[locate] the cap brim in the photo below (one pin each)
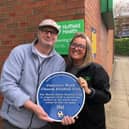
(41, 26)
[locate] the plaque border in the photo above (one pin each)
(66, 73)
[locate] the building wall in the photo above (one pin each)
(104, 36)
(19, 20)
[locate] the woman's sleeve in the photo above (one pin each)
(100, 86)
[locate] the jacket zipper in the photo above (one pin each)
(39, 70)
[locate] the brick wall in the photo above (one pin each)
(19, 19)
(104, 37)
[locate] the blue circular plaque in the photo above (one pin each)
(60, 94)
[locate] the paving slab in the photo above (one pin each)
(117, 110)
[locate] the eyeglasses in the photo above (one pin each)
(47, 30)
(77, 45)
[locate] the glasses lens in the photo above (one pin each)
(77, 45)
(48, 30)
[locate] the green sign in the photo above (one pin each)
(67, 31)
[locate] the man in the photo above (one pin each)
(22, 73)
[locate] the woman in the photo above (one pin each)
(95, 81)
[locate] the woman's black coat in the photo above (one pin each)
(92, 115)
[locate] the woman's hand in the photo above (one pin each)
(67, 120)
(84, 84)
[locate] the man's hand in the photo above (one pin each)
(41, 114)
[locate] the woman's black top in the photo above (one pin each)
(92, 115)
